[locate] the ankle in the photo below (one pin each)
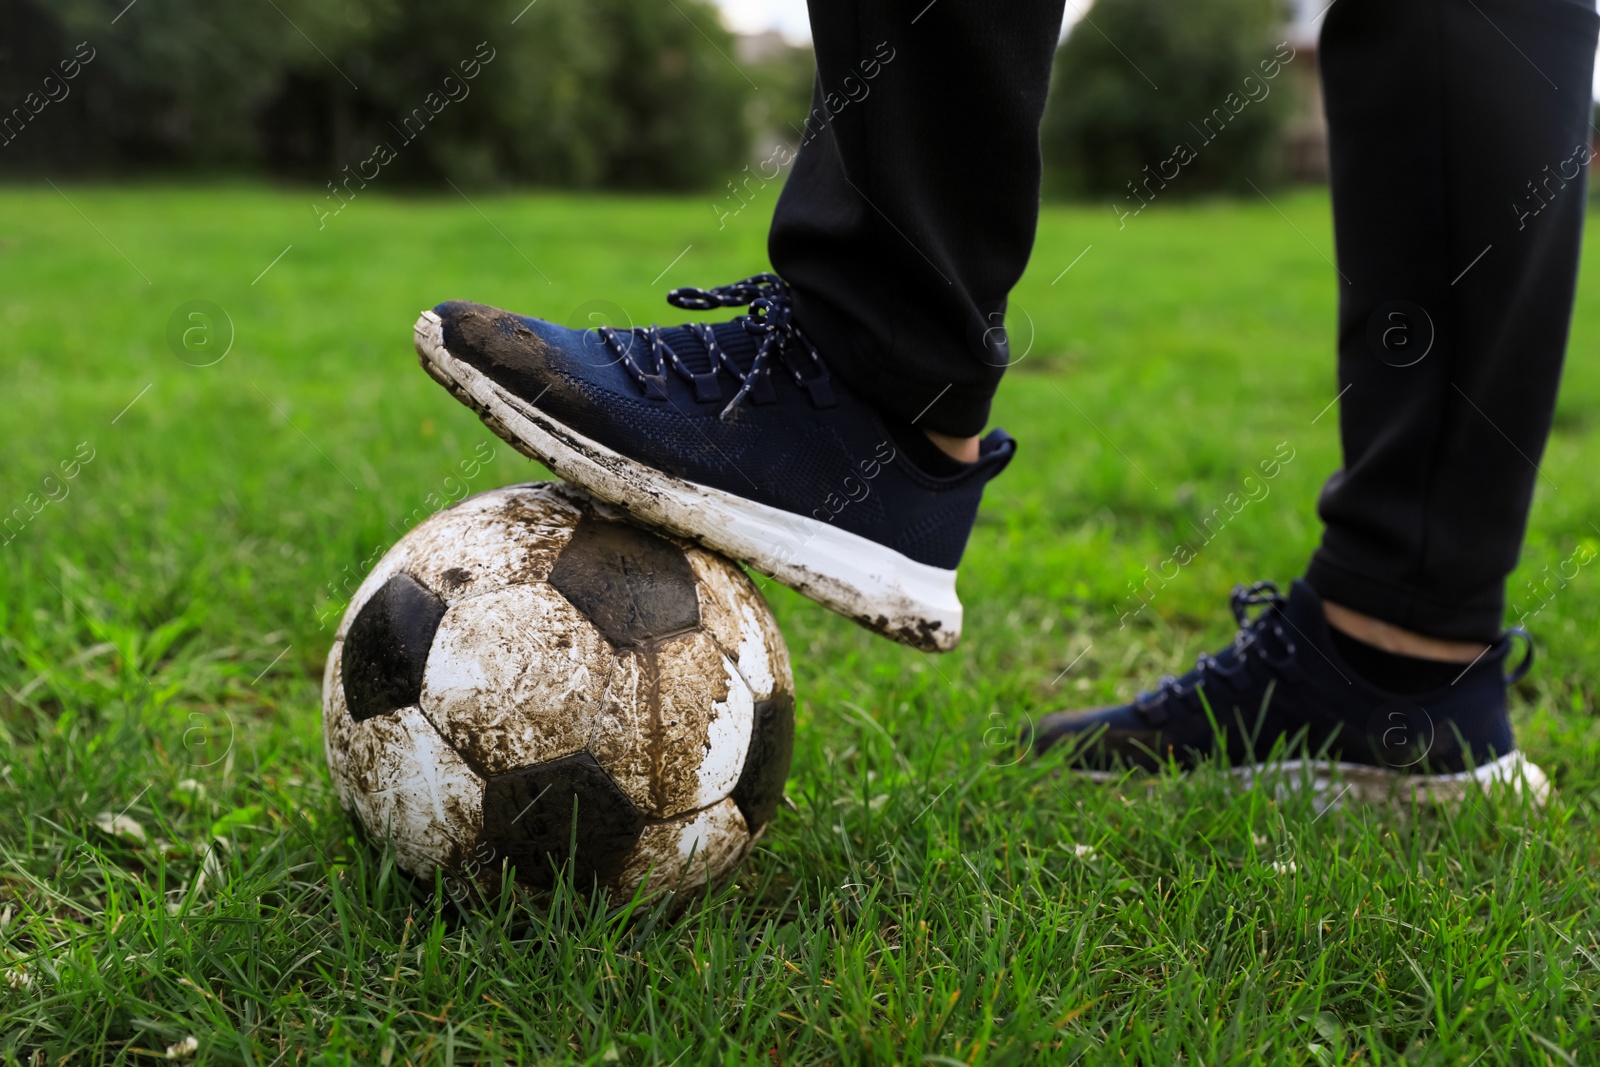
(962, 449)
(1397, 641)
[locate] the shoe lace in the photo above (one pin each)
(1260, 640)
(646, 356)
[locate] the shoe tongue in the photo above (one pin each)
(1304, 612)
(734, 340)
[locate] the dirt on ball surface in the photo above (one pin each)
(527, 683)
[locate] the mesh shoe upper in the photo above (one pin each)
(1282, 679)
(745, 406)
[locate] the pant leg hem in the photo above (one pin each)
(1404, 606)
(944, 407)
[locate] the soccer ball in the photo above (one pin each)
(527, 682)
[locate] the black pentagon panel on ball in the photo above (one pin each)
(634, 586)
(766, 766)
(528, 818)
(386, 649)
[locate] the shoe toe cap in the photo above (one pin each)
(1097, 737)
(1059, 726)
(492, 340)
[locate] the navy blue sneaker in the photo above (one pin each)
(1282, 693)
(733, 435)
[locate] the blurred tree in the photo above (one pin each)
(624, 93)
(168, 84)
(628, 93)
(777, 114)
(1107, 121)
(452, 88)
(680, 96)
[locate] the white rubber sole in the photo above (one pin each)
(1334, 783)
(879, 588)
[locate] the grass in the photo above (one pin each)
(925, 899)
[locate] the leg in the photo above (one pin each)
(1446, 117)
(911, 210)
(1458, 187)
(909, 216)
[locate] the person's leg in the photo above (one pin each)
(1459, 132)
(792, 438)
(911, 209)
(1459, 135)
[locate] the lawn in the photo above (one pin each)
(175, 864)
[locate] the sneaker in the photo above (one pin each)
(695, 429)
(1282, 689)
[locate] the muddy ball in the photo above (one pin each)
(528, 686)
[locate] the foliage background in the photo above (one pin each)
(625, 94)
(621, 93)
(1110, 117)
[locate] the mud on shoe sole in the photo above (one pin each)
(886, 592)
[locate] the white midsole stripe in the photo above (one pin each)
(1366, 784)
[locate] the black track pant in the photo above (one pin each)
(911, 209)
(1459, 133)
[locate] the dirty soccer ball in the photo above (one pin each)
(526, 682)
